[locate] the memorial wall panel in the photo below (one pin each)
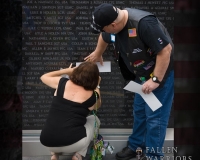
(57, 33)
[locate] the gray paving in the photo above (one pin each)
(67, 157)
(63, 157)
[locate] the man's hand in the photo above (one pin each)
(94, 58)
(149, 86)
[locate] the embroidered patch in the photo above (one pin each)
(138, 63)
(160, 41)
(149, 65)
(132, 32)
(149, 51)
(136, 50)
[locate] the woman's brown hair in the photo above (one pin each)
(86, 75)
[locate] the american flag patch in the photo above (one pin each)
(132, 32)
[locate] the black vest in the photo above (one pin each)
(130, 65)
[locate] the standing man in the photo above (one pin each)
(145, 55)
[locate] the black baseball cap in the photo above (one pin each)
(103, 15)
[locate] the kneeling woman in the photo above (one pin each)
(68, 127)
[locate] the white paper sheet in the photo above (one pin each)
(105, 68)
(150, 98)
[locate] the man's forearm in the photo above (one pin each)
(101, 46)
(162, 62)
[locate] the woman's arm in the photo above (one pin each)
(98, 91)
(98, 103)
(51, 79)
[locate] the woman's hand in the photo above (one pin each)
(70, 69)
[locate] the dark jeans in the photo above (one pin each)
(149, 127)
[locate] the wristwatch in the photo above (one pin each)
(155, 79)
